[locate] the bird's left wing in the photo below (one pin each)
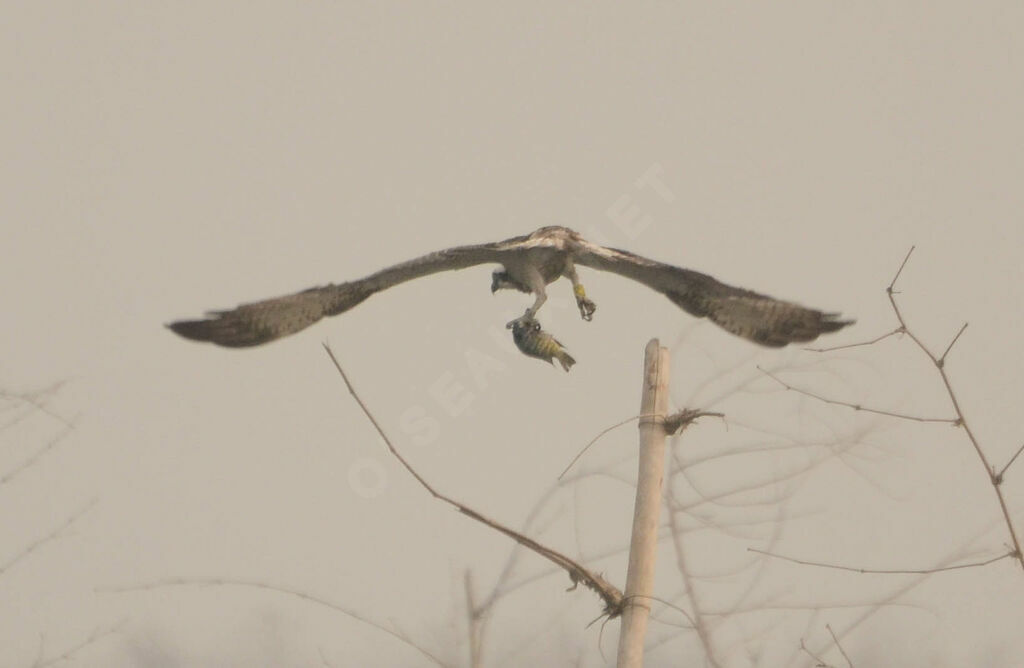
(759, 318)
(259, 322)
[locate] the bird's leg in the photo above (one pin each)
(528, 318)
(540, 296)
(585, 306)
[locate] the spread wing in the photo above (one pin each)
(759, 318)
(263, 321)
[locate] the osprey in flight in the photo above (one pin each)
(528, 264)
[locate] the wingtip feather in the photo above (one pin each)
(219, 331)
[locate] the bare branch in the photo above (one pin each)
(856, 407)
(892, 283)
(909, 585)
(942, 358)
(256, 584)
(839, 646)
(961, 421)
(610, 594)
(34, 399)
(697, 619)
(670, 604)
(39, 542)
(70, 653)
(999, 476)
(37, 455)
(882, 337)
(818, 661)
(885, 571)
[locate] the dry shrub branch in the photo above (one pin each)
(959, 420)
(609, 593)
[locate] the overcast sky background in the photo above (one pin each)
(164, 159)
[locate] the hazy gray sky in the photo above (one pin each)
(161, 159)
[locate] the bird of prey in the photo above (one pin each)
(528, 264)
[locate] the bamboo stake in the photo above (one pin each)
(644, 543)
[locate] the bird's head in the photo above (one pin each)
(502, 280)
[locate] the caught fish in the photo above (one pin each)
(535, 342)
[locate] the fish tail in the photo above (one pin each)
(552, 347)
(548, 346)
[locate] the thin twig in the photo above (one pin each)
(883, 571)
(999, 476)
(961, 421)
(892, 283)
(32, 399)
(53, 535)
(500, 587)
(838, 645)
(818, 661)
(37, 455)
(909, 585)
(672, 424)
(882, 337)
(610, 594)
(256, 584)
(597, 438)
(856, 407)
(942, 358)
(697, 619)
(68, 654)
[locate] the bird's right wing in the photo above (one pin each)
(259, 322)
(759, 318)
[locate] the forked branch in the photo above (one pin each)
(960, 420)
(940, 366)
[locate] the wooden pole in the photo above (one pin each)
(644, 543)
